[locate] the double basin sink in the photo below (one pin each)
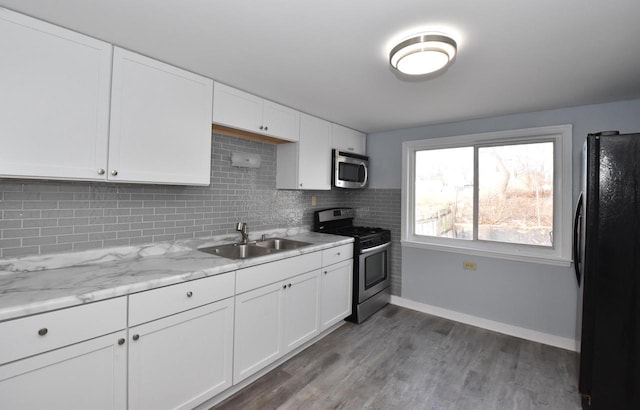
(254, 249)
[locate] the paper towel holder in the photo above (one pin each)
(245, 160)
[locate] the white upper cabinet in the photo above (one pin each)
(54, 100)
(280, 121)
(237, 109)
(348, 140)
(307, 164)
(160, 122)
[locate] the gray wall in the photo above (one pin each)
(534, 296)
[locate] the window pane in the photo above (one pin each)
(516, 193)
(444, 193)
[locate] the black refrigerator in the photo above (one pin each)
(607, 262)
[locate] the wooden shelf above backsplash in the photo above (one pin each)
(232, 132)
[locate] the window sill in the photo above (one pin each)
(545, 260)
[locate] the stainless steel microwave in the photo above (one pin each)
(349, 170)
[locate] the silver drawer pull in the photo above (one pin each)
(189, 294)
(121, 341)
(43, 331)
(338, 254)
(136, 337)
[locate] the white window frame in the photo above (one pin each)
(558, 254)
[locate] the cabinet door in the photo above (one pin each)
(315, 153)
(280, 121)
(336, 293)
(258, 330)
(346, 139)
(236, 109)
(160, 123)
(86, 375)
(54, 103)
(182, 360)
(301, 308)
(307, 164)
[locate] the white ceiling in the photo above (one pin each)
(329, 58)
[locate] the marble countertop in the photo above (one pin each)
(41, 283)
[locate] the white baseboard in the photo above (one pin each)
(521, 332)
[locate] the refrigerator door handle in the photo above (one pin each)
(577, 239)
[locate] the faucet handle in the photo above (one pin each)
(241, 226)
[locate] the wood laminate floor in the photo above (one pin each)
(403, 359)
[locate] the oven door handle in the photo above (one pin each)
(375, 248)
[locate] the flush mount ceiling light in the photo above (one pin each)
(423, 54)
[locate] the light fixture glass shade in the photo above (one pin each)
(423, 54)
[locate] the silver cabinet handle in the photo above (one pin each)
(100, 171)
(284, 286)
(43, 331)
(266, 128)
(189, 294)
(136, 337)
(289, 285)
(121, 341)
(325, 272)
(338, 254)
(262, 127)
(114, 172)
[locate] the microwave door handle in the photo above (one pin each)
(366, 175)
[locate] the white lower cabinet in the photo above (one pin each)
(273, 320)
(72, 358)
(336, 293)
(300, 310)
(87, 375)
(258, 330)
(182, 360)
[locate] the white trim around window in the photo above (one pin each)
(559, 254)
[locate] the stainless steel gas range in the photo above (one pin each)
(371, 269)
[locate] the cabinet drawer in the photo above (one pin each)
(337, 254)
(47, 331)
(161, 302)
(261, 275)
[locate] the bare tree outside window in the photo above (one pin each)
(515, 193)
(515, 190)
(444, 193)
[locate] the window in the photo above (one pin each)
(504, 194)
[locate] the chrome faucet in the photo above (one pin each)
(244, 231)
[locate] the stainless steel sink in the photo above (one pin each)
(281, 244)
(253, 249)
(238, 251)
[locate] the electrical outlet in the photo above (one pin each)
(469, 265)
(314, 201)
